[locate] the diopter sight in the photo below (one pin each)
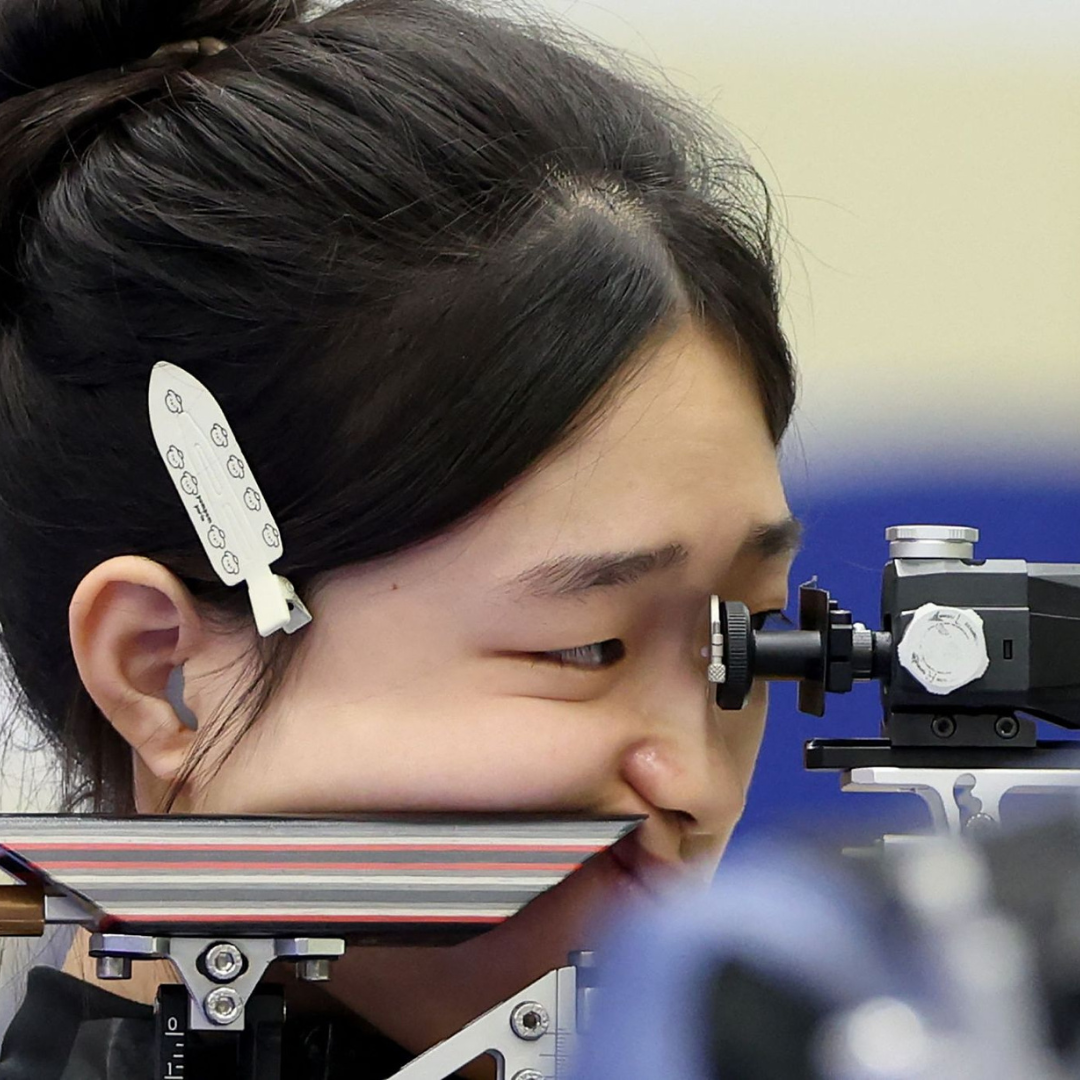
(964, 646)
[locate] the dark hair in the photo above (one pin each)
(408, 247)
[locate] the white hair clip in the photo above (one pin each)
(222, 499)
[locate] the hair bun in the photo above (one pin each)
(43, 42)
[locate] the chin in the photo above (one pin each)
(572, 916)
(419, 995)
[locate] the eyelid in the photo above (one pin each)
(610, 651)
(607, 653)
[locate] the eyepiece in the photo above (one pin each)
(737, 636)
(827, 653)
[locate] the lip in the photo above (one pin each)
(648, 871)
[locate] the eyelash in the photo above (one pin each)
(603, 654)
(592, 657)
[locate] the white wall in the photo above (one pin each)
(29, 778)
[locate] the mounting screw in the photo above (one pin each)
(114, 967)
(944, 727)
(980, 825)
(1007, 727)
(317, 970)
(223, 1005)
(529, 1020)
(223, 962)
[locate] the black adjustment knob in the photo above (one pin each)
(738, 634)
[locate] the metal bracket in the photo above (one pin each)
(960, 800)
(531, 1036)
(217, 1003)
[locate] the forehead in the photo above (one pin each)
(681, 453)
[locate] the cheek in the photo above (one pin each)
(452, 755)
(741, 732)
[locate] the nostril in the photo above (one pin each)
(670, 776)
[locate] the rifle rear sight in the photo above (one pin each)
(965, 646)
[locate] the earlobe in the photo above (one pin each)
(132, 623)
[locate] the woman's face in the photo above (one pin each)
(547, 655)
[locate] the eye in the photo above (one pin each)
(599, 654)
(761, 619)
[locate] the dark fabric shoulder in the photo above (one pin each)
(60, 1017)
(68, 1029)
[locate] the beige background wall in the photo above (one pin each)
(927, 160)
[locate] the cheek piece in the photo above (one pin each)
(225, 504)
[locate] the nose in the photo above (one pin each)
(687, 759)
(689, 778)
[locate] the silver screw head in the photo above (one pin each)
(529, 1020)
(223, 1005)
(223, 961)
(980, 825)
(114, 967)
(317, 970)
(527, 1074)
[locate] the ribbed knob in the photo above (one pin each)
(931, 541)
(738, 655)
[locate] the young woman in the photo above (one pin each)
(496, 328)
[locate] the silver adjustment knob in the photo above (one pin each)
(931, 541)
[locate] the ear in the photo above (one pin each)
(132, 622)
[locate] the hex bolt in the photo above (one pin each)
(527, 1074)
(223, 1005)
(223, 962)
(529, 1020)
(317, 970)
(944, 727)
(114, 967)
(1007, 727)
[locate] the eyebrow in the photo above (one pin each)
(774, 538)
(572, 575)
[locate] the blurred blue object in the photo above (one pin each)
(783, 911)
(939, 958)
